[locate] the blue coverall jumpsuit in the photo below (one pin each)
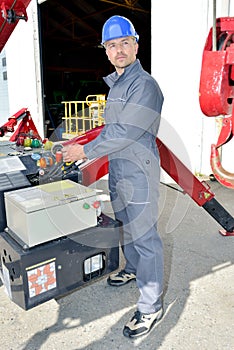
(132, 118)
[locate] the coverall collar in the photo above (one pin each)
(133, 68)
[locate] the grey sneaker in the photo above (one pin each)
(141, 324)
(120, 278)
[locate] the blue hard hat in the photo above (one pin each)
(118, 27)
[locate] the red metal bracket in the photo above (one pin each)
(217, 90)
(11, 12)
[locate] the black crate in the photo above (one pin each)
(52, 269)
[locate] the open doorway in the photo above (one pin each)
(73, 61)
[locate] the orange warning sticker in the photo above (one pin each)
(41, 278)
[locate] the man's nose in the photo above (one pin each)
(119, 47)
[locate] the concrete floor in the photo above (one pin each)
(198, 293)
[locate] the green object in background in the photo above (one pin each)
(35, 143)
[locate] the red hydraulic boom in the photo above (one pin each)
(199, 191)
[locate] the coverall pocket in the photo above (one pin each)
(143, 162)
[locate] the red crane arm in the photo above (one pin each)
(199, 191)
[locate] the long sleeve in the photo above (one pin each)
(129, 119)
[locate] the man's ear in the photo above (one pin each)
(136, 48)
(107, 54)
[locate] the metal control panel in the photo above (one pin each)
(21, 169)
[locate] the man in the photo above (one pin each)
(132, 118)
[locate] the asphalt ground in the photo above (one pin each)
(198, 292)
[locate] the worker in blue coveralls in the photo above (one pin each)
(132, 118)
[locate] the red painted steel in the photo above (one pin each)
(9, 20)
(97, 168)
(26, 125)
(199, 191)
(223, 176)
(217, 90)
(216, 87)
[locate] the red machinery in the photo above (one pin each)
(20, 262)
(216, 97)
(199, 191)
(12, 11)
(217, 90)
(92, 171)
(25, 127)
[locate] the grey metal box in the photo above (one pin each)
(42, 213)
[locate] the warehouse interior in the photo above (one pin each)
(73, 60)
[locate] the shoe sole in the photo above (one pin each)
(119, 284)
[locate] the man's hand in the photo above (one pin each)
(72, 153)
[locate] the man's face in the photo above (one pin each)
(121, 52)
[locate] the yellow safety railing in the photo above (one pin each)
(81, 116)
